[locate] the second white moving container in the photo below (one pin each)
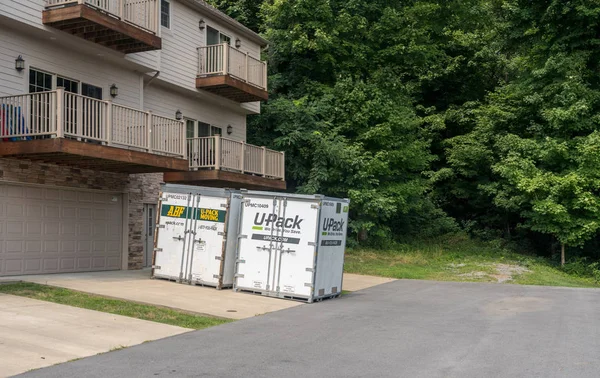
(196, 235)
(291, 246)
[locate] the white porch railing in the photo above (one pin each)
(218, 153)
(145, 14)
(224, 59)
(62, 114)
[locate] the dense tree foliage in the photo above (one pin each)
(430, 115)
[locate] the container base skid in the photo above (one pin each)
(288, 296)
(209, 284)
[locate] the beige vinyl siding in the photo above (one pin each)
(179, 54)
(26, 11)
(50, 57)
(164, 101)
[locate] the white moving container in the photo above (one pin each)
(192, 242)
(291, 246)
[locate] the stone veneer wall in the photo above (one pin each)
(142, 188)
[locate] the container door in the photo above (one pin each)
(332, 244)
(172, 235)
(256, 247)
(208, 242)
(295, 248)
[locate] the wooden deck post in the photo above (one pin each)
(217, 152)
(264, 161)
(242, 157)
(108, 122)
(60, 99)
(149, 131)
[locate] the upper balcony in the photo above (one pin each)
(223, 162)
(69, 129)
(231, 73)
(128, 26)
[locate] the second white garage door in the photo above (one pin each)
(51, 230)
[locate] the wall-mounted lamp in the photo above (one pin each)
(19, 63)
(229, 129)
(178, 115)
(201, 24)
(114, 91)
(238, 43)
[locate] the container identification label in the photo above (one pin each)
(211, 215)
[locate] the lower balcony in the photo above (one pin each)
(64, 128)
(226, 163)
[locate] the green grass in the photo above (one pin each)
(112, 306)
(458, 258)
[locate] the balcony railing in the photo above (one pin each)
(226, 154)
(143, 14)
(61, 114)
(224, 59)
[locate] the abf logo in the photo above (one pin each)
(175, 211)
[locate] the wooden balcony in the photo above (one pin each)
(221, 162)
(231, 73)
(69, 129)
(128, 26)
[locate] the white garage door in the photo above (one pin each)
(50, 230)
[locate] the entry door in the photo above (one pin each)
(277, 246)
(149, 227)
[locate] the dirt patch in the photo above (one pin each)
(474, 275)
(500, 272)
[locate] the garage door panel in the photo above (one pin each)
(33, 246)
(15, 209)
(84, 247)
(33, 266)
(68, 246)
(58, 230)
(52, 194)
(69, 212)
(13, 266)
(85, 197)
(33, 228)
(85, 213)
(14, 191)
(51, 229)
(51, 247)
(113, 262)
(84, 263)
(14, 246)
(34, 193)
(67, 263)
(84, 229)
(14, 228)
(98, 262)
(51, 265)
(51, 211)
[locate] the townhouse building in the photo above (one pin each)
(103, 100)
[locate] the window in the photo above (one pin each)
(198, 129)
(215, 37)
(70, 86)
(165, 14)
(91, 91)
(39, 81)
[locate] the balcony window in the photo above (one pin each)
(165, 14)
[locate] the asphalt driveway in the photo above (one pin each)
(399, 329)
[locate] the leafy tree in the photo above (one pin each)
(531, 148)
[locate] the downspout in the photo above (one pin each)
(151, 79)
